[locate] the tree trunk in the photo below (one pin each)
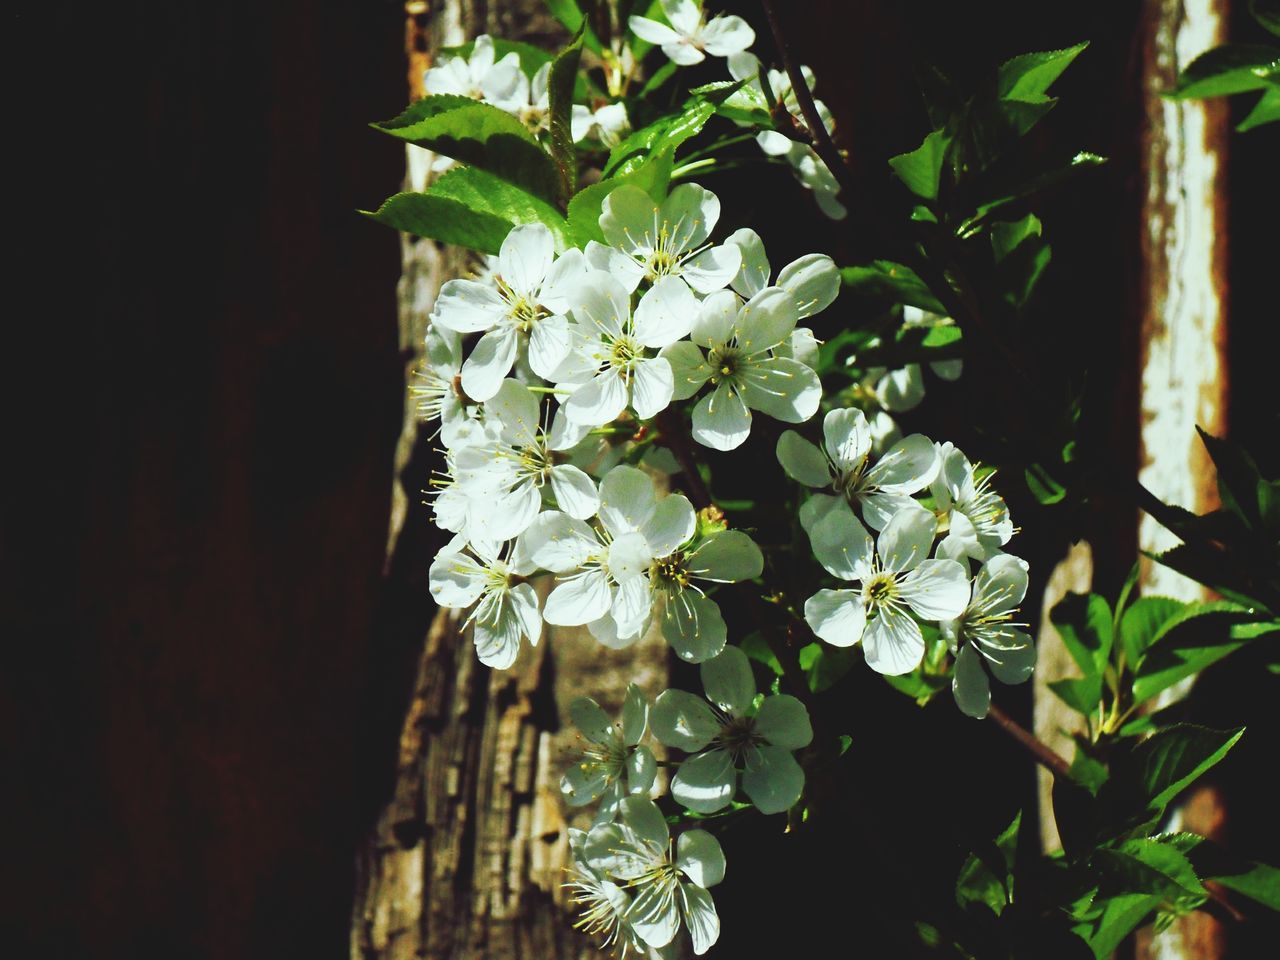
(468, 858)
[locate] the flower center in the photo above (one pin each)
(623, 353)
(881, 590)
(671, 571)
(725, 362)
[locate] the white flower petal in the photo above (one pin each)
(836, 616)
(654, 915)
(575, 492)
(726, 556)
(455, 580)
(693, 627)
(1001, 583)
(652, 31)
(631, 604)
(642, 771)
(578, 601)
(721, 420)
(813, 281)
(753, 274)
(802, 460)
(969, 684)
(627, 499)
(601, 302)
(592, 722)
(784, 722)
(699, 856)
(936, 590)
(688, 216)
(727, 34)
(1014, 660)
(498, 643)
(716, 319)
(652, 385)
(628, 218)
(785, 389)
(902, 389)
(672, 523)
(909, 466)
(907, 539)
(466, 306)
(728, 681)
(583, 782)
(679, 719)
(524, 604)
(773, 780)
(841, 543)
(525, 257)
(558, 542)
(700, 917)
(549, 345)
(635, 715)
(893, 643)
(599, 401)
(689, 369)
(713, 268)
(766, 320)
(490, 361)
(846, 437)
(705, 783)
(665, 313)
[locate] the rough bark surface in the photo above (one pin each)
(468, 859)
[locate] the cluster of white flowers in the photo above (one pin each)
(934, 516)
(503, 83)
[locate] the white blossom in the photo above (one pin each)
(689, 38)
(608, 366)
(691, 621)
(973, 516)
(895, 578)
(608, 123)
(501, 83)
(984, 638)
(614, 764)
(602, 904)
(740, 364)
(602, 582)
(669, 881)
(525, 303)
(731, 736)
(519, 464)
(844, 464)
(483, 574)
(437, 384)
(648, 241)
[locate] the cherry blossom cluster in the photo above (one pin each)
(934, 517)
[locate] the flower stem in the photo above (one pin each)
(1040, 750)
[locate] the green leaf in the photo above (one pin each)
(569, 13)
(1120, 916)
(440, 218)
(1257, 881)
(1007, 237)
(1188, 642)
(1082, 695)
(1087, 772)
(886, 280)
(1232, 68)
(1085, 624)
(757, 648)
(564, 71)
(667, 133)
(1148, 866)
(987, 874)
(481, 135)
(1029, 76)
(1142, 623)
(1266, 110)
(1144, 780)
(825, 666)
(652, 177)
(921, 169)
(1009, 200)
(1042, 485)
(1238, 478)
(1267, 13)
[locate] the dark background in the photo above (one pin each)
(199, 700)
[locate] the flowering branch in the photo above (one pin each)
(1043, 755)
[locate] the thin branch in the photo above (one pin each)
(671, 426)
(1044, 756)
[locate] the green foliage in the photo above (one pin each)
(471, 208)
(560, 83)
(921, 169)
(652, 175)
(891, 282)
(668, 132)
(986, 877)
(569, 13)
(1239, 68)
(481, 135)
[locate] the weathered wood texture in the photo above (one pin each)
(467, 860)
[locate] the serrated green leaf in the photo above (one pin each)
(1029, 76)
(1231, 68)
(584, 209)
(1144, 780)
(667, 133)
(1238, 478)
(1087, 772)
(1142, 622)
(1148, 866)
(1266, 110)
(560, 83)
(893, 282)
(1085, 624)
(1257, 881)
(440, 218)
(1187, 643)
(1120, 916)
(921, 169)
(481, 135)
(1081, 694)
